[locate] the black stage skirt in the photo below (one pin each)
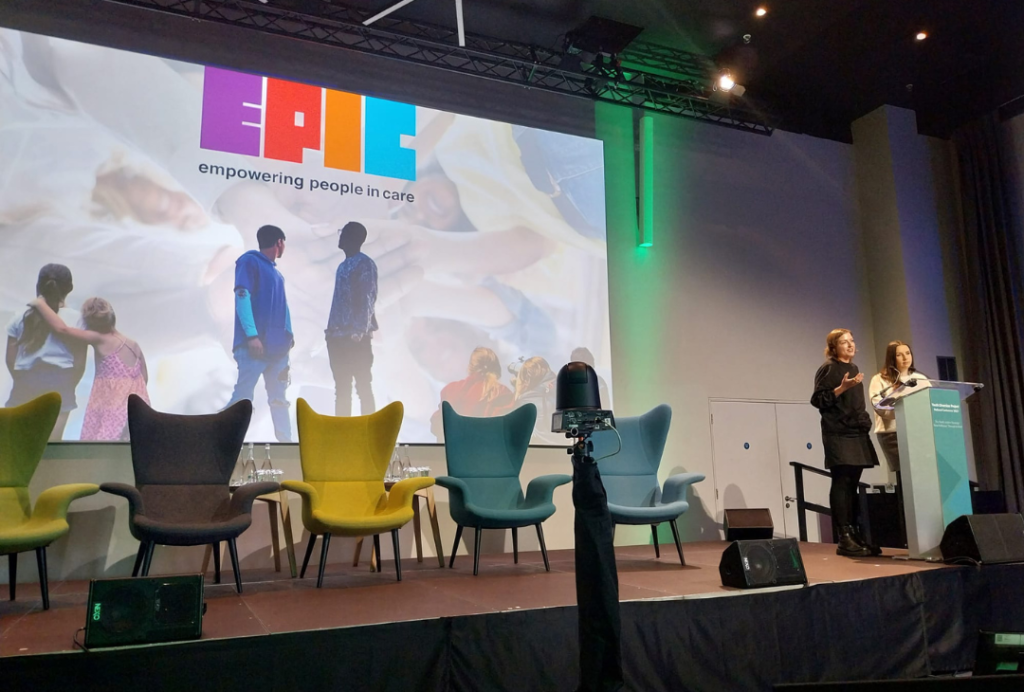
(852, 450)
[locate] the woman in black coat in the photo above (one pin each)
(845, 424)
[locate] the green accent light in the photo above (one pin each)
(646, 225)
(1006, 665)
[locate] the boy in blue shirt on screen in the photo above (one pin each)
(352, 322)
(263, 328)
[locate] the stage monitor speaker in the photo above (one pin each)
(999, 653)
(756, 564)
(984, 538)
(144, 610)
(748, 524)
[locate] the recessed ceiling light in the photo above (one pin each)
(761, 11)
(921, 35)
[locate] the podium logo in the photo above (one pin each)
(276, 119)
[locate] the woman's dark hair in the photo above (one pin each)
(890, 373)
(54, 284)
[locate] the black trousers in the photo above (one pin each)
(843, 495)
(351, 361)
(597, 583)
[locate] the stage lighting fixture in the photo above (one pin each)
(726, 82)
(921, 35)
(761, 11)
(601, 36)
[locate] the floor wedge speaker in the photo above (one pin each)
(984, 538)
(756, 564)
(144, 610)
(747, 524)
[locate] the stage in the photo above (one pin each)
(513, 627)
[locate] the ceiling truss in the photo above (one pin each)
(649, 77)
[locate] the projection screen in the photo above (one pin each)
(132, 193)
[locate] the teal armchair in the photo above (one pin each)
(631, 475)
(485, 456)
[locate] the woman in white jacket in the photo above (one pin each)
(898, 368)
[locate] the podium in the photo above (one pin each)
(933, 459)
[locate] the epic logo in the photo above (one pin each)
(263, 116)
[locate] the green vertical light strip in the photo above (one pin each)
(646, 221)
(636, 276)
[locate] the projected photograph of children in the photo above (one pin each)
(497, 243)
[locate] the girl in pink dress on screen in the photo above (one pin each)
(120, 368)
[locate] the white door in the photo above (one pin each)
(745, 453)
(799, 431)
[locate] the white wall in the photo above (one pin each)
(757, 256)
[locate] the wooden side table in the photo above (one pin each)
(276, 502)
(428, 494)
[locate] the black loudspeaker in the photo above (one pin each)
(748, 524)
(144, 610)
(999, 653)
(984, 538)
(754, 564)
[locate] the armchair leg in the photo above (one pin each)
(44, 586)
(455, 546)
(216, 561)
(233, 550)
(679, 544)
(12, 572)
(515, 546)
(148, 560)
(657, 546)
(324, 547)
(376, 548)
(543, 548)
(139, 557)
(309, 552)
(398, 554)
(476, 551)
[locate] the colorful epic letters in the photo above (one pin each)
(252, 115)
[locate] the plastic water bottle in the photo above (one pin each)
(250, 467)
(266, 470)
(238, 474)
(394, 467)
(406, 461)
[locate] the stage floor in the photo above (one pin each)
(354, 596)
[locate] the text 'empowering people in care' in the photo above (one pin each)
(299, 183)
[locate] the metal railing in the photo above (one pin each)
(802, 505)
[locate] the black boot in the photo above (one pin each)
(848, 544)
(859, 537)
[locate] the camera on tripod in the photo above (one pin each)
(578, 409)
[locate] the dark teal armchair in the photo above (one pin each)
(631, 475)
(485, 456)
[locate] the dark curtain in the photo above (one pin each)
(992, 290)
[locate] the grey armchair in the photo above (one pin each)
(182, 468)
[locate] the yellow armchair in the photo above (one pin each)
(24, 431)
(344, 461)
